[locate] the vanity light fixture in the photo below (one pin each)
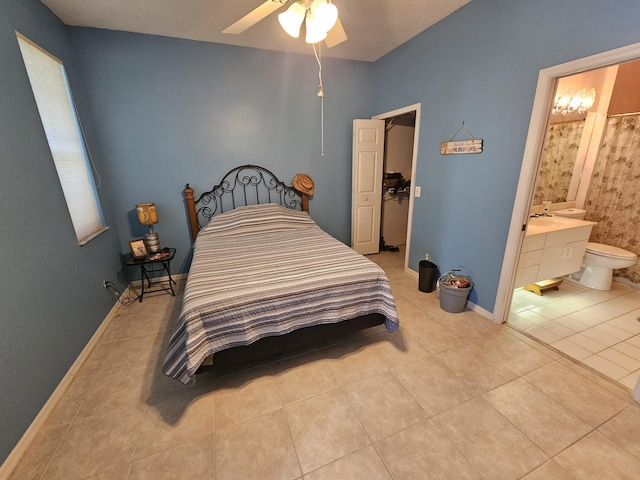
(580, 102)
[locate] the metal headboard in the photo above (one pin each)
(241, 186)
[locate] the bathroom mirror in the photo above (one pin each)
(557, 162)
(578, 101)
(573, 139)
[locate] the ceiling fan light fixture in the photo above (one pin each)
(326, 13)
(315, 31)
(291, 20)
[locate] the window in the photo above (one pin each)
(64, 135)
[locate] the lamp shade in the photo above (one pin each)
(315, 32)
(146, 213)
(325, 13)
(291, 19)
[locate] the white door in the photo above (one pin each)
(368, 157)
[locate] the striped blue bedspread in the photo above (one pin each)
(266, 270)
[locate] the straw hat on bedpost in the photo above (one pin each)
(303, 184)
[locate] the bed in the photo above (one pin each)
(266, 279)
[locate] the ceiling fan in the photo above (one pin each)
(319, 16)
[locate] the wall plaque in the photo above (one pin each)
(473, 145)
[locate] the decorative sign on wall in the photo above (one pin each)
(473, 145)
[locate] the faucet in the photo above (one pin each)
(545, 211)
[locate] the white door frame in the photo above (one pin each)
(394, 113)
(531, 158)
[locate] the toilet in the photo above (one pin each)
(599, 260)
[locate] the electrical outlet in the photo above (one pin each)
(426, 256)
(104, 283)
(418, 191)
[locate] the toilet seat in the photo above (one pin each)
(609, 251)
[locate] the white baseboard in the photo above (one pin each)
(29, 435)
(470, 305)
(482, 312)
(165, 278)
(413, 273)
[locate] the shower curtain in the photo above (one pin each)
(614, 192)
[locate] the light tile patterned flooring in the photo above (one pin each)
(599, 329)
(448, 396)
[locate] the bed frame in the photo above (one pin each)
(241, 186)
(250, 185)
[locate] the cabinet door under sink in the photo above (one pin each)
(561, 259)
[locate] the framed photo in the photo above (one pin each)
(138, 250)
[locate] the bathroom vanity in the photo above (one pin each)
(553, 247)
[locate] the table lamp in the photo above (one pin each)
(147, 215)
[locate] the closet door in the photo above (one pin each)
(366, 193)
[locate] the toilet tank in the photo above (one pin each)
(578, 213)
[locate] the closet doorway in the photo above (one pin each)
(399, 169)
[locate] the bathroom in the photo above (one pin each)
(589, 162)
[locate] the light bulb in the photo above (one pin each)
(291, 20)
(576, 100)
(325, 13)
(315, 33)
(588, 100)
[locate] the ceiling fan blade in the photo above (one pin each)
(254, 16)
(336, 35)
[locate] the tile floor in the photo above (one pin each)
(599, 329)
(447, 396)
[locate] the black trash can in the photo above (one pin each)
(428, 276)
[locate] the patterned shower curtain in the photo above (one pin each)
(559, 154)
(614, 192)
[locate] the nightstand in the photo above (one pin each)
(148, 267)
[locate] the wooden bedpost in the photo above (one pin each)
(191, 209)
(305, 202)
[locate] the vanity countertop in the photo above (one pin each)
(540, 225)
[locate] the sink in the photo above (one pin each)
(538, 225)
(545, 221)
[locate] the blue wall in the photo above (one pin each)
(52, 296)
(172, 112)
(480, 65)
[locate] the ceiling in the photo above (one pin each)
(374, 27)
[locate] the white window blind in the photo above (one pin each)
(64, 135)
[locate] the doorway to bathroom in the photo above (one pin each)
(545, 92)
(597, 328)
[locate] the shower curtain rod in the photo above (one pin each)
(631, 114)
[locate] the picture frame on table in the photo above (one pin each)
(138, 249)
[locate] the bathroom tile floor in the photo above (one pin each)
(449, 396)
(599, 329)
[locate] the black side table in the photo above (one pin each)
(147, 269)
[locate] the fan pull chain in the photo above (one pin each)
(320, 93)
